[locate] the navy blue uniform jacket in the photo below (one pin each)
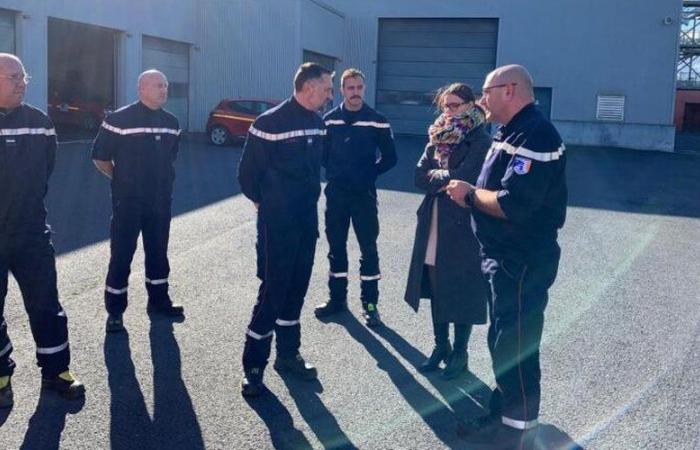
(280, 168)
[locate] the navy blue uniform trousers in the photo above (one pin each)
(30, 259)
(359, 207)
(518, 298)
(131, 217)
(285, 260)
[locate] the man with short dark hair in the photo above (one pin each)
(280, 173)
(27, 157)
(518, 205)
(136, 148)
(355, 133)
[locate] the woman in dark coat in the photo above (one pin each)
(445, 266)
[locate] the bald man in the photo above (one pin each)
(518, 205)
(135, 148)
(27, 156)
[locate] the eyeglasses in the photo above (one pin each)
(17, 78)
(487, 89)
(452, 106)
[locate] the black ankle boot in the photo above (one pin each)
(439, 354)
(458, 362)
(442, 348)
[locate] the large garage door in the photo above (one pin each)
(173, 59)
(7, 31)
(418, 56)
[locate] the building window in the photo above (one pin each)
(326, 61)
(610, 108)
(7, 31)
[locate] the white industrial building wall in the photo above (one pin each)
(578, 49)
(157, 18)
(251, 48)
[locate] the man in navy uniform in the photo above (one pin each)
(27, 157)
(136, 148)
(518, 205)
(280, 172)
(355, 133)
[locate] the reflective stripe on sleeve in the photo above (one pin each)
(257, 336)
(141, 130)
(26, 131)
(338, 274)
(52, 350)
(335, 122)
(158, 281)
(288, 135)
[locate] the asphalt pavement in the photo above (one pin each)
(620, 350)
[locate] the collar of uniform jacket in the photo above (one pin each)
(352, 116)
(5, 112)
(521, 116)
(145, 108)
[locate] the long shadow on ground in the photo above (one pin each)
(468, 396)
(174, 423)
(441, 418)
(79, 202)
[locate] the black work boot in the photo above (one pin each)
(115, 323)
(252, 385)
(166, 309)
(458, 361)
(491, 431)
(371, 315)
(6, 397)
(296, 366)
(65, 384)
(442, 349)
(330, 307)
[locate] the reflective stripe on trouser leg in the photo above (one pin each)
(518, 300)
(124, 232)
(276, 251)
(365, 222)
(34, 268)
(156, 234)
(337, 226)
(287, 327)
(7, 365)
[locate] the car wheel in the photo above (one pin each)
(219, 135)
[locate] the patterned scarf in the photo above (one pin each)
(446, 132)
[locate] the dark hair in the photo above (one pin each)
(309, 71)
(461, 90)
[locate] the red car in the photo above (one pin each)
(84, 114)
(231, 118)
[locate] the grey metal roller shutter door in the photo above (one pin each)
(7, 31)
(173, 59)
(417, 56)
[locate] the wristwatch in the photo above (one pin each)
(469, 198)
